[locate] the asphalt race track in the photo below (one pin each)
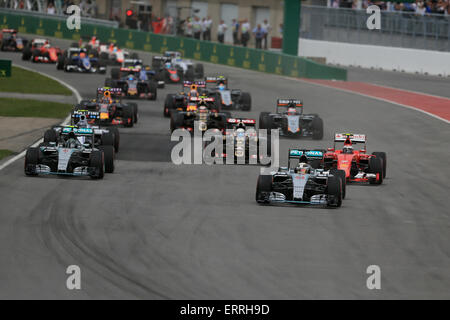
(159, 231)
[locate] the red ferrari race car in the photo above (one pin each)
(357, 165)
(40, 50)
(9, 41)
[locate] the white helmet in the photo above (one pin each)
(303, 167)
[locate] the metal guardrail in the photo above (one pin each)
(29, 13)
(398, 29)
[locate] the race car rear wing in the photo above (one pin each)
(77, 131)
(200, 84)
(165, 59)
(247, 122)
(305, 155)
(112, 91)
(198, 99)
(353, 138)
(86, 113)
(287, 102)
(215, 79)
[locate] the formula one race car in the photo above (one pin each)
(357, 165)
(198, 115)
(9, 41)
(291, 120)
(299, 183)
(40, 50)
(135, 82)
(166, 71)
(74, 154)
(103, 136)
(80, 60)
(109, 53)
(111, 109)
(232, 99)
(179, 101)
(191, 71)
(242, 144)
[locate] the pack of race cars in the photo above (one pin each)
(88, 146)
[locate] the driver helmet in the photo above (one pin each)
(347, 149)
(303, 168)
(240, 125)
(202, 109)
(130, 77)
(221, 85)
(71, 141)
(292, 111)
(82, 55)
(168, 65)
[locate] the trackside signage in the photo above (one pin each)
(5, 68)
(247, 58)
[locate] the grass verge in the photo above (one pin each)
(5, 153)
(24, 81)
(11, 107)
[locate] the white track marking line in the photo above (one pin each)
(377, 98)
(65, 122)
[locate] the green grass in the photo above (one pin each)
(11, 107)
(24, 81)
(5, 153)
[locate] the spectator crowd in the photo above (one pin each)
(241, 31)
(419, 7)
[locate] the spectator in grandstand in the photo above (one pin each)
(207, 24)
(245, 32)
(51, 8)
(188, 28)
(197, 28)
(259, 34)
(221, 29)
(235, 30)
(266, 26)
(441, 6)
(420, 8)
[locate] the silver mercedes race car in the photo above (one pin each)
(300, 183)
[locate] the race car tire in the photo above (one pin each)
(128, 114)
(382, 156)
(376, 167)
(334, 190)
(176, 121)
(96, 161)
(101, 71)
(50, 136)
(190, 74)
(264, 184)
(107, 139)
(199, 71)
(341, 175)
(26, 54)
(263, 120)
(31, 158)
(168, 105)
(246, 101)
(153, 89)
(115, 73)
(35, 53)
(109, 83)
(108, 153)
(317, 126)
(134, 106)
(60, 63)
(116, 134)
